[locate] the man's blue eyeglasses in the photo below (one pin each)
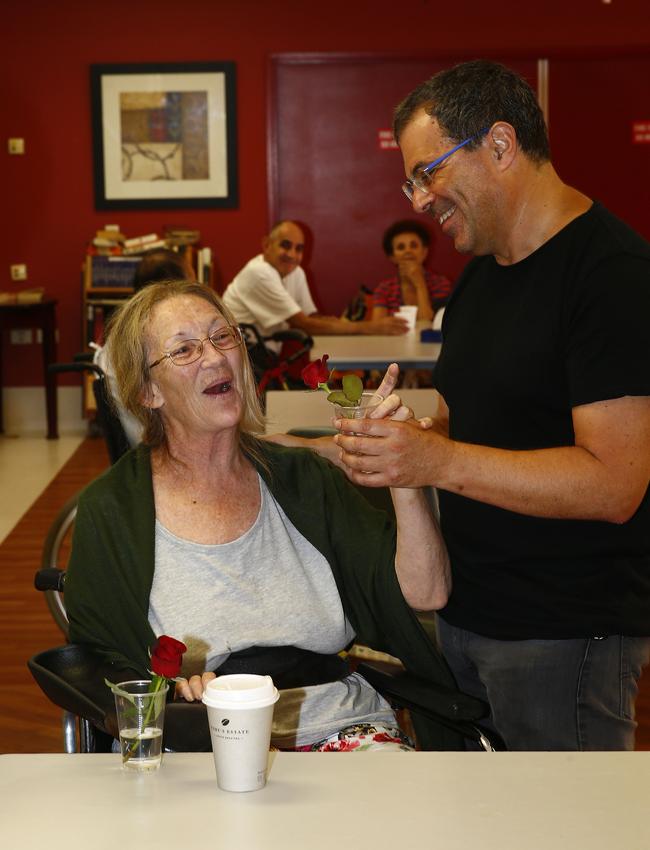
(424, 177)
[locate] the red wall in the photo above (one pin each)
(46, 203)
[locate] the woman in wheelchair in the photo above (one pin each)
(258, 557)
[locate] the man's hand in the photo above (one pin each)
(388, 453)
(391, 454)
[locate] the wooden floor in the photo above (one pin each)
(28, 721)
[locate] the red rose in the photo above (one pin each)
(166, 656)
(316, 372)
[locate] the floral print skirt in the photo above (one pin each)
(361, 737)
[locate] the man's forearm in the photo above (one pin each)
(565, 483)
(330, 325)
(326, 325)
(603, 477)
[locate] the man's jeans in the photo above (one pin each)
(575, 694)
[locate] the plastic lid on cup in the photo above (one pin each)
(240, 690)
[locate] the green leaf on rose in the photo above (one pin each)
(352, 388)
(340, 398)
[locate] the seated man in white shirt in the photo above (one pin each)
(271, 292)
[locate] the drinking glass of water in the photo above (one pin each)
(140, 718)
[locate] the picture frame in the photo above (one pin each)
(164, 135)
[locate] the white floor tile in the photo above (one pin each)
(27, 465)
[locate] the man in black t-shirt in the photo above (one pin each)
(541, 446)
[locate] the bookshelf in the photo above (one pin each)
(107, 282)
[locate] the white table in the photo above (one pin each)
(317, 801)
(311, 409)
(376, 352)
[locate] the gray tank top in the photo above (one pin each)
(269, 587)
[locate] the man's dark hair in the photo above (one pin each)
(159, 264)
(469, 97)
(406, 225)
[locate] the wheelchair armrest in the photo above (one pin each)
(72, 677)
(451, 708)
(423, 694)
(49, 578)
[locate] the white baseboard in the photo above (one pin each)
(23, 411)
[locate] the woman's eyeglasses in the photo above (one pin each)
(190, 350)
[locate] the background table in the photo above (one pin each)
(376, 352)
(321, 801)
(41, 314)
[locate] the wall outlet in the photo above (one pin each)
(16, 146)
(20, 336)
(18, 271)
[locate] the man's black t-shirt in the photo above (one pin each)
(523, 345)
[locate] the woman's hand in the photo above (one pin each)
(391, 406)
(192, 689)
(412, 277)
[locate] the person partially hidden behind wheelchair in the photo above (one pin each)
(158, 264)
(257, 556)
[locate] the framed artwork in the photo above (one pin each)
(164, 136)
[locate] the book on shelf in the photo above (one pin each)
(111, 247)
(141, 249)
(110, 235)
(204, 265)
(141, 240)
(110, 272)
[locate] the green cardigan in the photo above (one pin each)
(111, 566)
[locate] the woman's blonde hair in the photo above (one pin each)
(127, 340)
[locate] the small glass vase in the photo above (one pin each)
(367, 403)
(140, 719)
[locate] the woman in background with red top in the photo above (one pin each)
(406, 244)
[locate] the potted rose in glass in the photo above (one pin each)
(350, 402)
(140, 706)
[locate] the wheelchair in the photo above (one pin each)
(72, 676)
(56, 547)
(275, 371)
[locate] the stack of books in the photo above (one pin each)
(108, 241)
(139, 244)
(112, 258)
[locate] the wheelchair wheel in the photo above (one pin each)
(56, 551)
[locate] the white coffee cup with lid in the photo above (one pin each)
(240, 714)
